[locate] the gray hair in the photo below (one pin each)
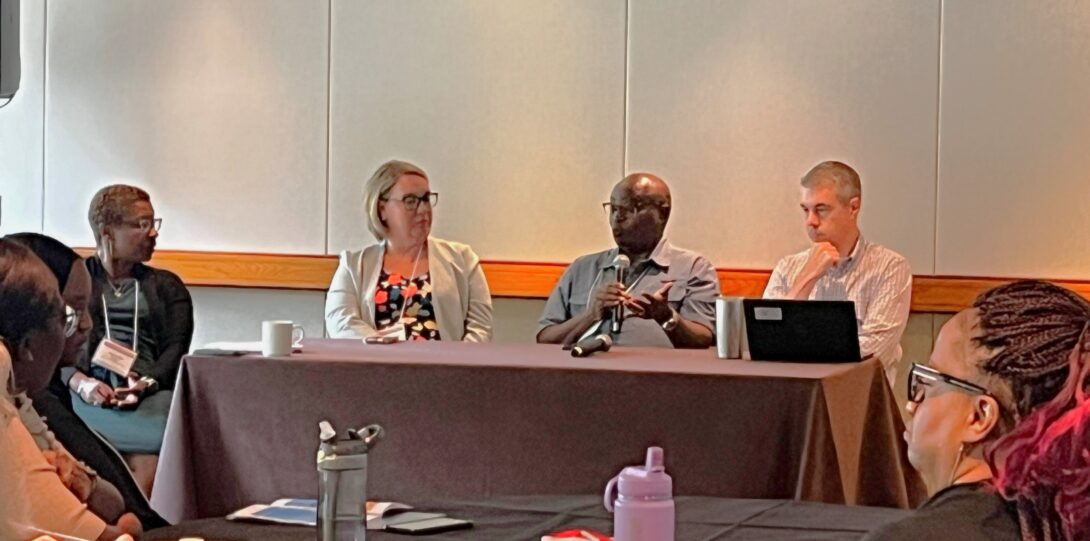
(378, 186)
(843, 177)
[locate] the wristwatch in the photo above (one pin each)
(671, 324)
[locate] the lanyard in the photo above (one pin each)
(412, 274)
(135, 316)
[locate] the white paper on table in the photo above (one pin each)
(249, 347)
(304, 511)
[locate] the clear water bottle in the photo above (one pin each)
(641, 500)
(342, 482)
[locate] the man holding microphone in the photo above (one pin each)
(668, 292)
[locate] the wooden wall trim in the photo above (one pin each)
(514, 279)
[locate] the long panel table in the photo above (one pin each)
(529, 517)
(478, 421)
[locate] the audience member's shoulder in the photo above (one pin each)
(964, 513)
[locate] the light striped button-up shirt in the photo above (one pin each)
(879, 282)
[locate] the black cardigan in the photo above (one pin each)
(171, 311)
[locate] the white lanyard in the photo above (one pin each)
(135, 316)
(405, 300)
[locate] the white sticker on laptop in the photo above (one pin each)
(767, 313)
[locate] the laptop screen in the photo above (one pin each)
(802, 331)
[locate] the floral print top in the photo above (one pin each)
(391, 294)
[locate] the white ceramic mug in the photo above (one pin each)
(278, 338)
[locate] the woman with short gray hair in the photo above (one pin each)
(138, 311)
(409, 285)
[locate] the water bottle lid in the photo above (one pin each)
(649, 481)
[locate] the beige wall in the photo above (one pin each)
(1014, 175)
(516, 110)
(254, 122)
(734, 101)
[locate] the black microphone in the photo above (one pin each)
(620, 263)
(589, 346)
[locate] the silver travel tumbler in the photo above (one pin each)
(342, 483)
(730, 328)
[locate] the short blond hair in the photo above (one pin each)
(378, 186)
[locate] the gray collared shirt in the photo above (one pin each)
(696, 285)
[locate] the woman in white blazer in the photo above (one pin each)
(410, 284)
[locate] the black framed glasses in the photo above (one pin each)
(146, 224)
(924, 376)
(637, 207)
(413, 202)
(71, 320)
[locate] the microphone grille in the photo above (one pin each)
(621, 261)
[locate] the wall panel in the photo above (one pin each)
(219, 108)
(515, 109)
(1014, 175)
(732, 102)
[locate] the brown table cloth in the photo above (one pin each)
(476, 421)
(527, 518)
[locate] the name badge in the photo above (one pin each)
(114, 357)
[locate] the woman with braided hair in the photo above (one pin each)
(1000, 422)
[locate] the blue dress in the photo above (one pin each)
(138, 430)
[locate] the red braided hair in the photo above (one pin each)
(1040, 334)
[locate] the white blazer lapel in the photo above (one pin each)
(445, 297)
(370, 268)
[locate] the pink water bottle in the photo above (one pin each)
(641, 500)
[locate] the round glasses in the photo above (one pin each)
(146, 224)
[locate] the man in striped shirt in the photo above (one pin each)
(841, 265)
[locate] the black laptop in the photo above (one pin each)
(802, 331)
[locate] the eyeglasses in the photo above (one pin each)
(146, 224)
(924, 376)
(71, 320)
(412, 202)
(638, 206)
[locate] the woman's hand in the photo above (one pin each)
(91, 390)
(129, 397)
